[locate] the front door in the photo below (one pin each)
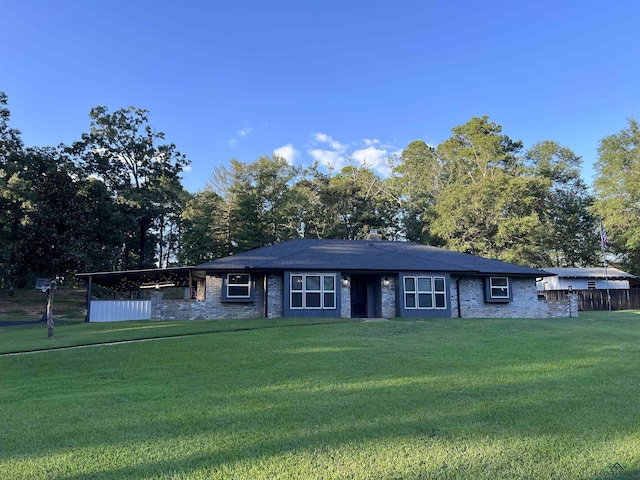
(359, 298)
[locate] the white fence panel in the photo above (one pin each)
(119, 310)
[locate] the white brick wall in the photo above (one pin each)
(524, 304)
(389, 297)
(345, 297)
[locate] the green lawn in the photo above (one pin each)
(468, 399)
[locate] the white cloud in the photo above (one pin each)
(368, 151)
(324, 138)
(287, 152)
(374, 158)
(329, 158)
(243, 132)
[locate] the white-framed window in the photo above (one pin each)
(499, 288)
(313, 291)
(425, 293)
(238, 285)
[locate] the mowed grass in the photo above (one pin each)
(467, 399)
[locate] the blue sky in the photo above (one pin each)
(322, 80)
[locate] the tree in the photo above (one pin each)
(496, 218)
(49, 214)
(260, 204)
(617, 192)
(310, 195)
(572, 239)
(204, 233)
(357, 201)
(414, 185)
(476, 151)
(488, 205)
(143, 177)
(11, 148)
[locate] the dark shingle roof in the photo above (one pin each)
(363, 256)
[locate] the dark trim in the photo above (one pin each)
(486, 281)
(424, 312)
(458, 301)
(224, 298)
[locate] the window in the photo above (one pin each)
(499, 287)
(238, 285)
(313, 291)
(425, 293)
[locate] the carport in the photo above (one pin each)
(130, 281)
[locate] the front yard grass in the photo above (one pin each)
(454, 399)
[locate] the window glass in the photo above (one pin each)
(329, 282)
(296, 282)
(238, 291)
(312, 282)
(313, 291)
(329, 300)
(424, 292)
(238, 285)
(239, 279)
(296, 300)
(410, 300)
(409, 284)
(313, 300)
(499, 287)
(425, 300)
(424, 284)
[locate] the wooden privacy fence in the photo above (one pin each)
(597, 299)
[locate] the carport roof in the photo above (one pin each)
(131, 280)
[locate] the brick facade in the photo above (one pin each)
(275, 300)
(525, 302)
(210, 305)
(345, 297)
(388, 292)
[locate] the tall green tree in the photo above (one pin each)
(356, 198)
(572, 239)
(258, 202)
(141, 173)
(488, 205)
(52, 221)
(11, 150)
(617, 192)
(204, 229)
(414, 185)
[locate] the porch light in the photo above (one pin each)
(345, 281)
(385, 281)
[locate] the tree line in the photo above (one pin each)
(113, 200)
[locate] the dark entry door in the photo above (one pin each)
(359, 299)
